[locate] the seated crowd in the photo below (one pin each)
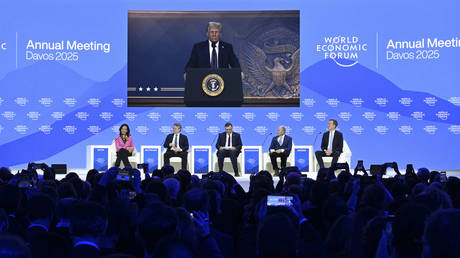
(177, 214)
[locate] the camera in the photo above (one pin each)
(443, 177)
(360, 167)
(392, 165)
(144, 167)
(410, 169)
(26, 179)
(378, 170)
(36, 165)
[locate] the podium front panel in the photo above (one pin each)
(201, 159)
(303, 158)
(252, 159)
(152, 156)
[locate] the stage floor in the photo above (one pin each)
(244, 180)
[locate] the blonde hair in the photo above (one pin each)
(214, 24)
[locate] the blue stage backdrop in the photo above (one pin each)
(386, 70)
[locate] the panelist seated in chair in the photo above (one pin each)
(124, 146)
(176, 145)
(331, 144)
(280, 147)
(228, 145)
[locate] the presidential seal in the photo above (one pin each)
(213, 85)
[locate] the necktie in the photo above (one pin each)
(280, 140)
(331, 138)
(176, 144)
(228, 142)
(214, 56)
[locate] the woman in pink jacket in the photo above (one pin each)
(124, 145)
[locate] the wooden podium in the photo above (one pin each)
(206, 87)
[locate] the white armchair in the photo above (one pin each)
(227, 164)
(345, 156)
(176, 162)
(267, 164)
(134, 159)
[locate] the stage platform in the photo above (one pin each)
(244, 180)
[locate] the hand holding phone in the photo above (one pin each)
(443, 177)
(275, 200)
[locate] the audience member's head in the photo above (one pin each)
(64, 208)
(407, 229)
(373, 196)
(88, 220)
(423, 175)
(91, 173)
(41, 209)
(157, 187)
(5, 174)
(434, 199)
(66, 190)
(173, 187)
(10, 197)
(442, 235)
(4, 224)
(334, 208)
(293, 178)
(13, 247)
(175, 248)
(50, 245)
(277, 237)
(196, 200)
(167, 170)
(156, 222)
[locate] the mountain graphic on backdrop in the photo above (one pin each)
(344, 83)
(105, 91)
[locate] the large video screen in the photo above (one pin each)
(266, 45)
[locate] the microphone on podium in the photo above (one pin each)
(266, 139)
(212, 144)
(316, 136)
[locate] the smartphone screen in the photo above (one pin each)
(123, 176)
(25, 184)
(275, 200)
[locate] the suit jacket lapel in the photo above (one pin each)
(334, 139)
(219, 56)
(207, 54)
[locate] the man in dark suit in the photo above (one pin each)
(228, 145)
(176, 145)
(280, 147)
(213, 53)
(331, 144)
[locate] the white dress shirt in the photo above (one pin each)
(280, 140)
(178, 141)
(331, 139)
(217, 52)
(226, 140)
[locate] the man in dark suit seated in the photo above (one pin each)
(213, 53)
(228, 145)
(280, 147)
(176, 145)
(331, 144)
